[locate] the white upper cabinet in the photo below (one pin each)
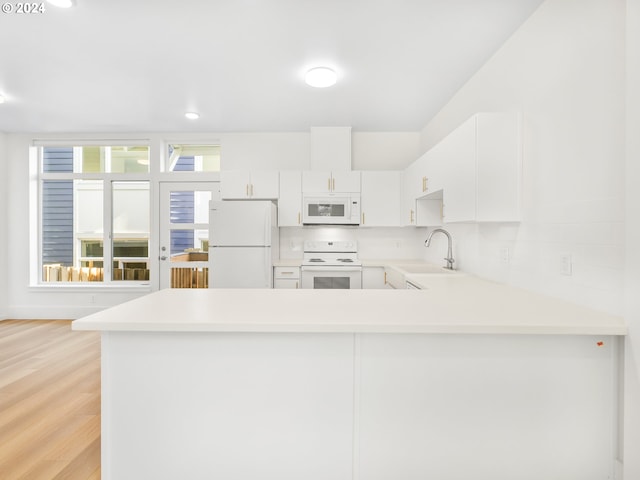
(410, 192)
(472, 175)
(290, 200)
(380, 198)
(245, 185)
(330, 182)
(481, 162)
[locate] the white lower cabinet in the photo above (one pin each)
(483, 407)
(286, 277)
(358, 406)
(232, 406)
(374, 277)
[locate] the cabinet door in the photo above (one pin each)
(498, 167)
(316, 182)
(374, 277)
(409, 182)
(290, 283)
(459, 165)
(381, 198)
(234, 184)
(290, 199)
(264, 185)
(421, 179)
(345, 181)
(434, 165)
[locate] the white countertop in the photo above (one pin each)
(453, 304)
(287, 262)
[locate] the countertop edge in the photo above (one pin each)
(587, 330)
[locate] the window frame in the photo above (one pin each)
(108, 180)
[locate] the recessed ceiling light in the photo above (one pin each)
(321, 77)
(192, 115)
(1, 99)
(61, 3)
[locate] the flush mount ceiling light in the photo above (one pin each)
(192, 115)
(61, 3)
(321, 77)
(1, 99)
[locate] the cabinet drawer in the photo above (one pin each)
(286, 272)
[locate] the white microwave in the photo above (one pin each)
(341, 209)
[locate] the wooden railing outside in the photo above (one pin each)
(190, 277)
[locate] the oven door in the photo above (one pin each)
(331, 277)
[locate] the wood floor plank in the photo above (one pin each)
(49, 401)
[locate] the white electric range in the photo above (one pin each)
(331, 264)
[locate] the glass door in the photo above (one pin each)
(184, 233)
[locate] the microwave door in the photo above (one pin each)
(333, 211)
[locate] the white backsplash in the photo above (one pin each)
(530, 255)
(373, 243)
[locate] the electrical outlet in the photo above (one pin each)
(504, 255)
(565, 264)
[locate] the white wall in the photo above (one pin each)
(384, 150)
(3, 230)
(373, 243)
(564, 70)
(632, 258)
(291, 151)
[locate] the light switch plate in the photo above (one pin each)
(504, 255)
(566, 267)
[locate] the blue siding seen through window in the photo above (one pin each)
(182, 211)
(57, 159)
(57, 222)
(185, 164)
(57, 208)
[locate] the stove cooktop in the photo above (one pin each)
(330, 253)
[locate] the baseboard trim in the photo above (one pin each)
(52, 312)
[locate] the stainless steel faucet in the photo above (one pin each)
(449, 257)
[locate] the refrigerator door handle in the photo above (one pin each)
(267, 266)
(267, 227)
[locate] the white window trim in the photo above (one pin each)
(36, 244)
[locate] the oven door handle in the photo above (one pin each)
(331, 269)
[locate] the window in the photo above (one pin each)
(95, 207)
(193, 158)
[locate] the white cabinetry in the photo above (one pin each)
(290, 199)
(481, 165)
(374, 277)
(425, 401)
(286, 277)
(380, 198)
(409, 195)
(330, 182)
(243, 185)
(472, 175)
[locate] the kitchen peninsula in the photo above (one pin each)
(464, 379)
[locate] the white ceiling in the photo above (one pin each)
(137, 66)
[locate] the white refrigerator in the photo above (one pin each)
(243, 243)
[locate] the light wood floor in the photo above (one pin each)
(49, 401)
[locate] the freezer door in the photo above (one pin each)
(240, 267)
(241, 223)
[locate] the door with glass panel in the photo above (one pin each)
(184, 233)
